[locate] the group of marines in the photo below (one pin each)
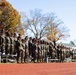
(29, 48)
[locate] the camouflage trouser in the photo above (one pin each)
(15, 49)
(7, 49)
(2, 48)
(12, 49)
(26, 59)
(21, 56)
(42, 55)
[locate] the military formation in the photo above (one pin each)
(31, 48)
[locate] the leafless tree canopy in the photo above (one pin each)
(43, 25)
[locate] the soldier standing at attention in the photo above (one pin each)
(39, 52)
(2, 42)
(33, 49)
(15, 41)
(58, 52)
(11, 44)
(36, 50)
(19, 49)
(7, 46)
(26, 49)
(51, 50)
(23, 51)
(30, 46)
(42, 50)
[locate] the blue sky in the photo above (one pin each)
(64, 9)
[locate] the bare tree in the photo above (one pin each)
(44, 25)
(36, 23)
(56, 29)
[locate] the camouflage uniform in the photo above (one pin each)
(23, 51)
(15, 43)
(30, 47)
(46, 50)
(26, 52)
(39, 52)
(50, 51)
(2, 43)
(19, 51)
(11, 45)
(7, 46)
